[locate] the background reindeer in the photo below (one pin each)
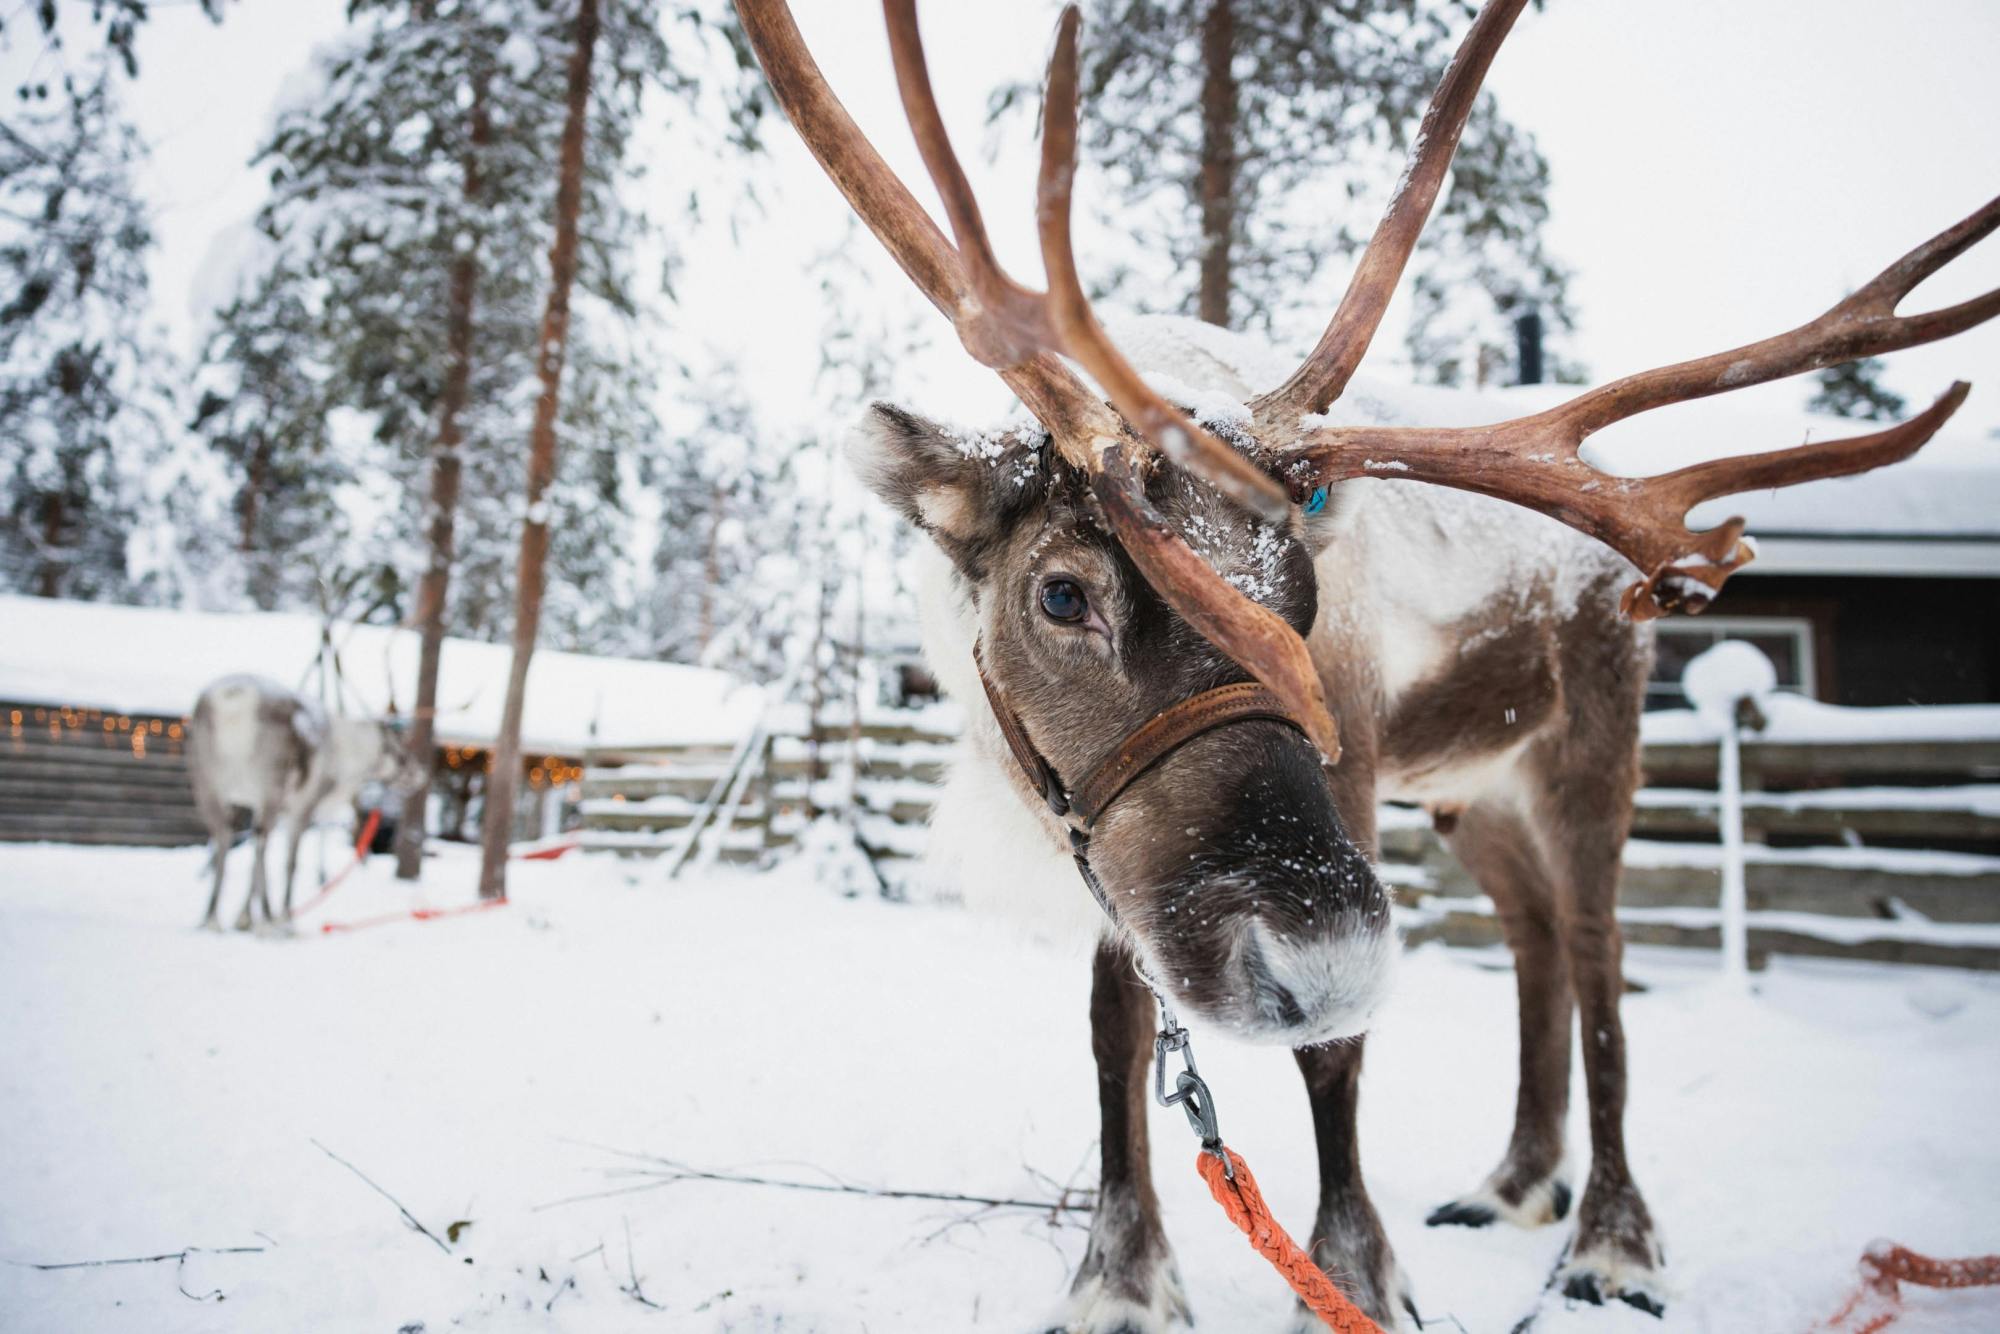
(255, 745)
(1091, 586)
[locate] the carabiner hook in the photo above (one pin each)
(1190, 1093)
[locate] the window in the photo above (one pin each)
(1786, 640)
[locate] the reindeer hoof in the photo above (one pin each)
(1601, 1273)
(1546, 1201)
(1460, 1213)
(1583, 1288)
(1095, 1308)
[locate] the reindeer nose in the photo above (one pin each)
(1327, 984)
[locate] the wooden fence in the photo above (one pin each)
(1886, 850)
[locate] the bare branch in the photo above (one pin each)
(408, 1217)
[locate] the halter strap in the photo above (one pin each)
(1166, 732)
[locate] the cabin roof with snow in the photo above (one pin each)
(150, 660)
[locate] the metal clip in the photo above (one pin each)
(1190, 1093)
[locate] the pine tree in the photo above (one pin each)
(79, 407)
(266, 407)
(1251, 147)
(118, 22)
(1854, 389)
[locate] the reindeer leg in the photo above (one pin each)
(294, 834)
(1616, 1252)
(1347, 1237)
(216, 816)
(1127, 1283)
(259, 894)
(1585, 811)
(1529, 1188)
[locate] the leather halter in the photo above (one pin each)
(1083, 805)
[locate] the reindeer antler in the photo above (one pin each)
(1536, 461)
(1021, 333)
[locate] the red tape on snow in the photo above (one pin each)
(413, 915)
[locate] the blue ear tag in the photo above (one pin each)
(1317, 501)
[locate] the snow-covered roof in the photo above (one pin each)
(148, 660)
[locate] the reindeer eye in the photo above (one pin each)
(1062, 600)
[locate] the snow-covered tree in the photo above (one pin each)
(100, 492)
(412, 203)
(114, 23)
(1854, 389)
(268, 411)
(80, 404)
(1251, 148)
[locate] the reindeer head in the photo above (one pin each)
(1116, 558)
(377, 751)
(1225, 861)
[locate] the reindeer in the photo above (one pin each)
(254, 744)
(1166, 615)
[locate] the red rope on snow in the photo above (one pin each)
(1878, 1301)
(368, 828)
(1236, 1191)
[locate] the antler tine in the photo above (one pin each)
(1083, 338)
(1023, 320)
(1537, 460)
(1019, 325)
(1865, 324)
(1051, 391)
(1256, 637)
(1323, 377)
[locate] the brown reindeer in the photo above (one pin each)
(1113, 577)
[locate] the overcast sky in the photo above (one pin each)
(1723, 169)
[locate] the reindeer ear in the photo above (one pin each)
(965, 490)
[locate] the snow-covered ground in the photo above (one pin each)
(162, 1088)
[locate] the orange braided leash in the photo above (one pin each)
(1877, 1302)
(1236, 1191)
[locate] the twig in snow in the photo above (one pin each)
(567, 1284)
(408, 1217)
(212, 1295)
(634, 1291)
(666, 1172)
(179, 1258)
(180, 1255)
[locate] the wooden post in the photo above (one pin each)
(549, 354)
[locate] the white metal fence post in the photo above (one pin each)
(1725, 683)
(1735, 928)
